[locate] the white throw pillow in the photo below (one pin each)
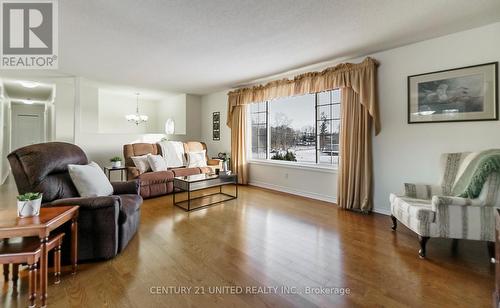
(157, 163)
(90, 180)
(141, 163)
(197, 159)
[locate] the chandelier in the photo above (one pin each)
(137, 118)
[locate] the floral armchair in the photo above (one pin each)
(436, 211)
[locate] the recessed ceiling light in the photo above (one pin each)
(29, 84)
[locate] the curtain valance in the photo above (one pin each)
(360, 77)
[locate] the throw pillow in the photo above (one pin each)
(141, 163)
(157, 163)
(90, 180)
(197, 159)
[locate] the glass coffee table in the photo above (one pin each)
(197, 182)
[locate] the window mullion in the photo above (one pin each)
(331, 127)
(316, 153)
(268, 132)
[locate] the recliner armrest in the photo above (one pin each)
(123, 188)
(133, 172)
(213, 162)
(91, 203)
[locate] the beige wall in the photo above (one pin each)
(212, 103)
(402, 152)
(193, 118)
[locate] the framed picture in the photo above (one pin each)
(216, 126)
(216, 135)
(461, 94)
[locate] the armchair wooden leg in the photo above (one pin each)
(32, 284)
(491, 251)
(394, 223)
(423, 241)
(15, 274)
(6, 272)
(57, 264)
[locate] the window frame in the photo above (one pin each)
(266, 112)
(332, 119)
(300, 165)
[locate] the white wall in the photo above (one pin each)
(108, 105)
(4, 136)
(64, 108)
(112, 108)
(402, 152)
(74, 117)
(173, 108)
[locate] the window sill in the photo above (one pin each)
(303, 166)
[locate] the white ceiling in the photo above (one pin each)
(201, 46)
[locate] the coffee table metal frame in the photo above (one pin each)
(183, 184)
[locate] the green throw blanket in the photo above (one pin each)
(472, 180)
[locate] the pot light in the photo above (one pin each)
(29, 84)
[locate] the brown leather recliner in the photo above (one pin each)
(105, 224)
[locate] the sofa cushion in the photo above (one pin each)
(150, 178)
(206, 170)
(415, 208)
(186, 171)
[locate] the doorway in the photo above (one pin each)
(28, 125)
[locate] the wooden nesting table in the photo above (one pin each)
(49, 219)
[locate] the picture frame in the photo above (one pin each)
(216, 126)
(461, 94)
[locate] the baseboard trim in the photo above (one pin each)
(315, 196)
(382, 211)
(293, 191)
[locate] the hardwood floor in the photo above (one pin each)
(270, 239)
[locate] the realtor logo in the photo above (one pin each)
(29, 34)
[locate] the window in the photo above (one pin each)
(258, 116)
(292, 129)
(302, 129)
(328, 126)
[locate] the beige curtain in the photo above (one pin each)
(355, 163)
(361, 80)
(238, 144)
